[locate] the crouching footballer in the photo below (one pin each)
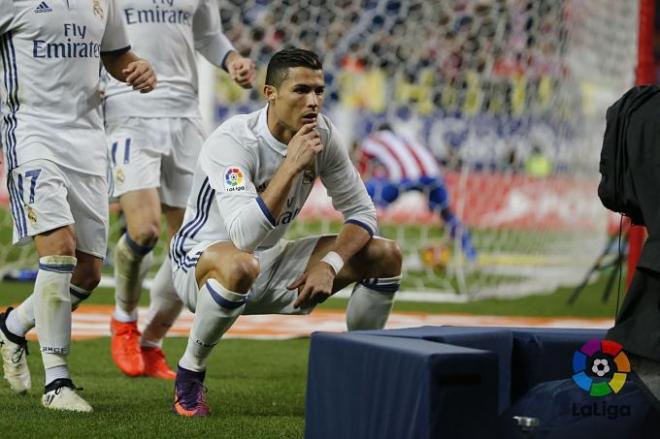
(253, 176)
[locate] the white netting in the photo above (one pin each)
(508, 94)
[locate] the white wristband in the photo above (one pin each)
(334, 260)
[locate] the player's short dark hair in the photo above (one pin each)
(279, 64)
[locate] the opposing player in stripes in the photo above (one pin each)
(153, 144)
(252, 178)
(392, 163)
(56, 156)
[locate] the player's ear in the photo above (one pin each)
(270, 93)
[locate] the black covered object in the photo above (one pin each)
(370, 386)
(637, 326)
(565, 411)
(625, 147)
(630, 164)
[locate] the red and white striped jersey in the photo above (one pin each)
(400, 156)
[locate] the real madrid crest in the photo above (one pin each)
(119, 175)
(32, 215)
(97, 8)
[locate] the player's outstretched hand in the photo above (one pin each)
(314, 286)
(304, 146)
(242, 71)
(140, 75)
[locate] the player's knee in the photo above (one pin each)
(243, 271)
(145, 234)
(88, 275)
(387, 258)
(393, 258)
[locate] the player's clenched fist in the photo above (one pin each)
(304, 146)
(242, 71)
(140, 75)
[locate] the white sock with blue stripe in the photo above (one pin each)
(132, 262)
(52, 310)
(21, 320)
(217, 309)
(164, 307)
(371, 302)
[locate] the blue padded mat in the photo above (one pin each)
(369, 386)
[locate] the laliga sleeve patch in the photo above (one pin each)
(234, 179)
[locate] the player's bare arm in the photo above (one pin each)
(129, 68)
(241, 70)
(315, 284)
(302, 149)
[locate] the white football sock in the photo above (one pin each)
(164, 307)
(21, 320)
(217, 309)
(371, 302)
(132, 262)
(52, 308)
(56, 373)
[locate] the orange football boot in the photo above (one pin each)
(125, 346)
(155, 365)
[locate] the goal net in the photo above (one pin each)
(508, 95)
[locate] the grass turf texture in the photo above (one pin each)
(256, 390)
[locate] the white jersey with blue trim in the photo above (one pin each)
(167, 33)
(236, 164)
(51, 106)
(6, 14)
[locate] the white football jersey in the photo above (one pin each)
(51, 57)
(167, 33)
(6, 14)
(236, 164)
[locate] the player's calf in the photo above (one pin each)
(373, 296)
(216, 310)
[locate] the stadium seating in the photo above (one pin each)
(446, 382)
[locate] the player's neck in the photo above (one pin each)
(277, 128)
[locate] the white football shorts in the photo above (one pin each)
(279, 266)
(159, 152)
(45, 196)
